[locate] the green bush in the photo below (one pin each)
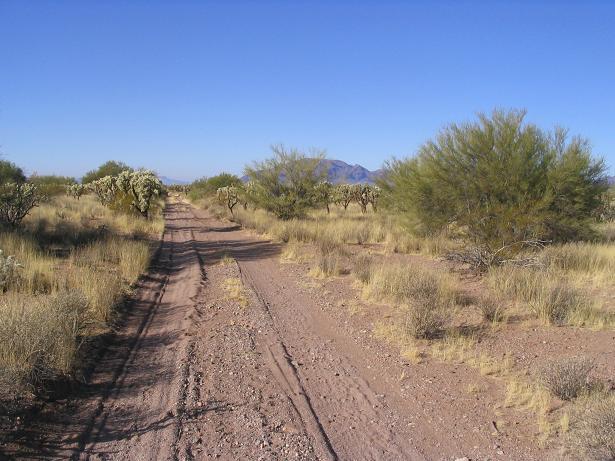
(9, 172)
(206, 187)
(110, 168)
(286, 184)
(50, 185)
(501, 181)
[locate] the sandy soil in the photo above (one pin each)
(273, 370)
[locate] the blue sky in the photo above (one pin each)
(193, 88)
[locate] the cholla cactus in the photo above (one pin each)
(16, 201)
(105, 189)
(343, 194)
(228, 195)
(141, 187)
(324, 193)
(365, 195)
(8, 271)
(76, 190)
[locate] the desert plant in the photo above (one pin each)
(324, 194)
(329, 257)
(8, 271)
(39, 337)
(110, 168)
(204, 187)
(229, 196)
(426, 317)
(16, 201)
(567, 377)
(50, 185)
(344, 194)
(76, 190)
(503, 182)
(363, 267)
(491, 309)
(592, 436)
(286, 182)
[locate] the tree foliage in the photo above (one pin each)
(11, 173)
(205, 187)
(50, 185)
(501, 181)
(110, 168)
(285, 183)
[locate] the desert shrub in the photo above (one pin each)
(39, 337)
(491, 308)
(567, 377)
(16, 201)
(362, 268)
(592, 436)
(502, 181)
(426, 316)
(285, 184)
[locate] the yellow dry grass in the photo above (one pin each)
(78, 259)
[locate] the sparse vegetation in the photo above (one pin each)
(592, 433)
(567, 377)
(54, 301)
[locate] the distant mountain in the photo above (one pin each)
(611, 180)
(339, 172)
(169, 181)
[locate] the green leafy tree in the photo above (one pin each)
(9, 172)
(286, 182)
(110, 168)
(50, 185)
(503, 182)
(205, 187)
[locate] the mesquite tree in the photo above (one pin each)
(16, 201)
(503, 182)
(228, 195)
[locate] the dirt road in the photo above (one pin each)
(227, 355)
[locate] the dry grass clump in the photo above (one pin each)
(362, 268)
(39, 337)
(597, 260)
(550, 297)
(425, 294)
(567, 377)
(77, 260)
(329, 258)
(592, 433)
(235, 291)
(426, 317)
(491, 309)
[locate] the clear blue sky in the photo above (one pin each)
(194, 88)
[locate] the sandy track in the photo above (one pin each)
(202, 372)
